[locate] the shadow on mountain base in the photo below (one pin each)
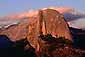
(49, 47)
(78, 37)
(15, 49)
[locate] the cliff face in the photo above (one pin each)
(46, 21)
(55, 23)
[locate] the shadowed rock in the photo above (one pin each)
(57, 47)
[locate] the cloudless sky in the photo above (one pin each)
(16, 6)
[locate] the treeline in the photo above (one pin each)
(49, 47)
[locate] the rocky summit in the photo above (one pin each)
(48, 21)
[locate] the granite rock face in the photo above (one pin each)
(46, 21)
(55, 24)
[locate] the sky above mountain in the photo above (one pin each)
(16, 6)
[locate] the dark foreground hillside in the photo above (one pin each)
(50, 47)
(78, 37)
(15, 49)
